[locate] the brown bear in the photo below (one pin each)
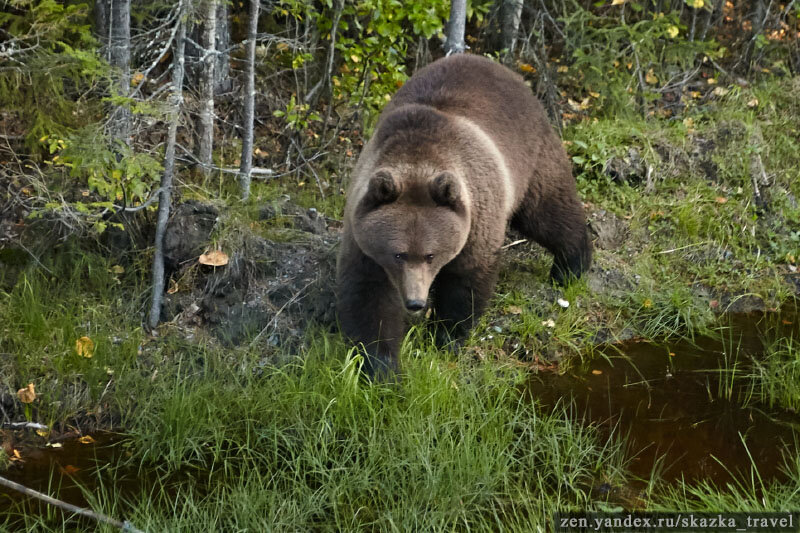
(461, 150)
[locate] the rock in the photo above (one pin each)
(308, 220)
(629, 169)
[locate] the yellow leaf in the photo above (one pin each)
(618, 2)
(86, 439)
(597, 372)
(711, 81)
(753, 103)
(27, 395)
(355, 58)
(214, 258)
(513, 310)
(721, 200)
(173, 287)
(650, 77)
(116, 269)
(525, 67)
(720, 91)
(42, 433)
(563, 68)
(85, 347)
(137, 78)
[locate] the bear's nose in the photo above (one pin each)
(415, 305)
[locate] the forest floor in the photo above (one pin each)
(246, 411)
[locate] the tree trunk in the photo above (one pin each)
(455, 27)
(101, 26)
(222, 81)
(169, 171)
(205, 122)
(249, 103)
(120, 59)
(512, 14)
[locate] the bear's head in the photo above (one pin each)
(412, 227)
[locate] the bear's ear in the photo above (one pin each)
(382, 189)
(446, 191)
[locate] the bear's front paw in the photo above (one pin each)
(382, 368)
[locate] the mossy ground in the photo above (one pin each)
(455, 445)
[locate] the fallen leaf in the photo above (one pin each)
(618, 2)
(753, 103)
(650, 78)
(720, 91)
(514, 310)
(116, 269)
(173, 287)
(15, 456)
(786, 322)
(597, 372)
(86, 439)
(214, 258)
(27, 395)
(68, 469)
(85, 347)
(525, 67)
(672, 354)
(54, 445)
(549, 323)
(721, 200)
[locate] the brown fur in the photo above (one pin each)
(430, 187)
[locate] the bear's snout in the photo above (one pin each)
(415, 306)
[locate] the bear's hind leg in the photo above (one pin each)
(559, 225)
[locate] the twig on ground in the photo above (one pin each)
(124, 526)
(24, 425)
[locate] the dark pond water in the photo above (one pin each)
(686, 408)
(71, 471)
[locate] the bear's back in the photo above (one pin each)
(499, 102)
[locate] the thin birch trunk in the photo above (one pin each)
(120, 59)
(169, 171)
(249, 103)
(205, 123)
(455, 28)
(222, 67)
(512, 14)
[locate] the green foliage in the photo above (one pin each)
(115, 173)
(51, 61)
(374, 38)
(298, 116)
(618, 60)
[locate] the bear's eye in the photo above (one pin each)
(429, 258)
(401, 257)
